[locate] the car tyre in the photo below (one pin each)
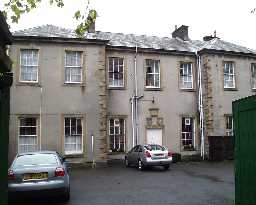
(140, 165)
(166, 167)
(66, 197)
(126, 162)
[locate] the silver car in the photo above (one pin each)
(38, 174)
(149, 155)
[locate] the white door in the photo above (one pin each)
(154, 136)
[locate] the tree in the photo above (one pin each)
(15, 8)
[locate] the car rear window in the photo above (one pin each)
(36, 159)
(154, 147)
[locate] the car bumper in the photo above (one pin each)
(157, 162)
(53, 187)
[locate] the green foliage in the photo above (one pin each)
(15, 8)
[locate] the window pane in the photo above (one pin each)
(67, 121)
(28, 65)
(156, 66)
(27, 143)
(116, 135)
(67, 131)
(157, 81)
(115, 72)
(111, 130)
(253, 75)
(121, 68)
(79, 126)
(187, 134)
(149, 69)
(150, 80)
(73, 139)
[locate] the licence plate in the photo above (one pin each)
(35, 176)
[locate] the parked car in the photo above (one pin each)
(41, 173)
(148, 155)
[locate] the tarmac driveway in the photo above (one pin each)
(193, 183)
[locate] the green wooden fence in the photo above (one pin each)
(244, 112)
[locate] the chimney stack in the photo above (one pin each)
(181, 32)
(91, 28)
(208, 38)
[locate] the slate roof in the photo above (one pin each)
(141, 41)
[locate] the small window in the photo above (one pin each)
(117, 135)
(229, 75)
(229, 125)
(73, 67)
(116, 72)
(28, 65)
(28, 134)
(187, 134)
(152, 73)
(186, 76)
(253, 75)
(73, 135)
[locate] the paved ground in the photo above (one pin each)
(191, 183)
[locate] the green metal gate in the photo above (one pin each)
(244, 112)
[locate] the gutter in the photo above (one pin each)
(58, 40)
(224, 52)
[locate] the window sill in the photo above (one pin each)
(116, 88)
(188, 90)
(74, 155)
(230, 89)
(74, 84)
(36, 84)
(153, 89)
(188, 150)
(253, 89)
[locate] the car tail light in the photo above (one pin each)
(59, 172)
(169, 154)
(11, 175)
(148, 154)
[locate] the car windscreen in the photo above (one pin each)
(154, 147)
(35, 159)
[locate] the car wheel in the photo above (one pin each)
(166, 167)
(126, 162)
(140, 165)
(66, 196)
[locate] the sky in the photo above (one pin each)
(232, 19)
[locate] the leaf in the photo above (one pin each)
(77, 15)
(4, 14)
(93, 14)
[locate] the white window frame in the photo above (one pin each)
(73, 66)
(19, 135)
(36, 65)
(193, 140)
(156, 62)
(229, 132)
(119, 132)
(82, 143)
(184, 66)
(111, 85)
(253, 76)
(231, 76)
